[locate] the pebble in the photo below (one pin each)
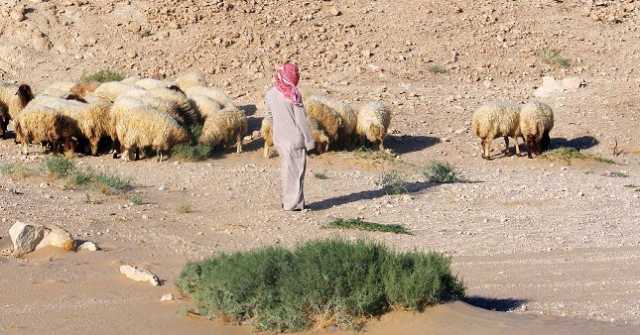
(167, 297)
(88, 246)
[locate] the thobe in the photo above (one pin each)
(292, 138)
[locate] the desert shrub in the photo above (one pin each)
(440, 173)
(136, 199)
(103, 182)
(360, 224)
(393, 183)
(102, 76)
(437, 69)
(112, 182)
(17, 170)
(192, 151)
(553, 57)
(58, 166)
(184, 208)
(282, 290)
(568, 154)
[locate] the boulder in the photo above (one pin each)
(25, 237)
(138, 274)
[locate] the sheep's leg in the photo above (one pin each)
(24, 149)
(506, 146)
(546, 141)
(487, 149)
(239, 144)
(381, 146)
(530, 147)
(517, 146)
(267, 152)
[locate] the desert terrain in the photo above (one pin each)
(553, 243)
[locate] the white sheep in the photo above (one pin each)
(536, 121)
(191, 79)
(149, 83)
(348, 115)
(373, 120)
(113, 89)
(329, 120)
(224, 128)
(493, 120)
(211, 92)
(266, 130)
(169, 101)
(136, 126)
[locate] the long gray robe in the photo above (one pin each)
(292, 138)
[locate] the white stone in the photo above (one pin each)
(55, 236)
(167, 297)
(138, 274)
(88, 246)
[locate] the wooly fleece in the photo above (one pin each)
(373, 120)
(536, 121)
(226, 127)
(493, 120)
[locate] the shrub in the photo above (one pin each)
(320, 175)
(569, 154)
(136, 199)
(441, 173)
(58, 166)
(392, 183)
(184, 208)
(105, 183)
(193, 153)
(281, 290)
(553, 57)
(375, 155)
(102, 76)
(16, 170)
(437, 69)
(112, 182)
(360, 224)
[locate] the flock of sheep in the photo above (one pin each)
(137, 114)
(532, 122)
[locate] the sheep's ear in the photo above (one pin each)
(75, 97)
(25, 93)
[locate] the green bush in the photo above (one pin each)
(282, 290)
(193, 153)
(58, 166)
(102, 76)
(393, 183)
(360, 224)
(17, 170)
(441, 173)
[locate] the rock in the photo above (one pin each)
(335, 11)
(551, 86)
(167, 297)
(138, 274)
(56, 237)
(88, 246)
(25, 238)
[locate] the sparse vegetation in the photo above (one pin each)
(192, 152)
(553, 57)
(617, 174)
(375, 155)
(17, 170)
(136, 199)
(345, 282)
(441, 173)
(568, 154)
(320, 175)
(58, 166)
(102, 76)
(393, 183)
(360, 224)
(437, 69)
(184, 208)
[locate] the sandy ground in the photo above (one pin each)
(554, 243)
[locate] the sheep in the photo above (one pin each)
(170, 101)
(131, 80)
(149, 84)
(493, 120)
(204, 105)
(45, 126)
(91, 119)
(330, 121)
(347, 114)
(84, 89)
(113, 89)
(319, 136)
(137, 126)
(4, 120)
(224, 128)
(14, 98)
(211, 92)
(536, 121)
(266, 130)
(191, 79)
(60, 89)
(372, 122)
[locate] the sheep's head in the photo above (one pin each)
(25, 94)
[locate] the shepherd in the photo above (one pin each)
(291, 134)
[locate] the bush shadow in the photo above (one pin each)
(406, 144)
(493, 304)
(580, 143)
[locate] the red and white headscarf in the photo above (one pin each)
(287, 79)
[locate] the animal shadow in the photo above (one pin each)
(406, 144)
(580, 143)
(492, 304)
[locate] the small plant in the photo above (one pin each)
(441, 173)
(392, 183)
(568, 154)
(320, 175)
(16, 170)
(112, 183)
(136, 199)
(191, 153)
(105, 183)
(617, 174)
(437, 69)
(58, 166)
(375, 155)
(553, 57)
(102, 76)
(282, 290)
(184, 208)
(360, 224)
